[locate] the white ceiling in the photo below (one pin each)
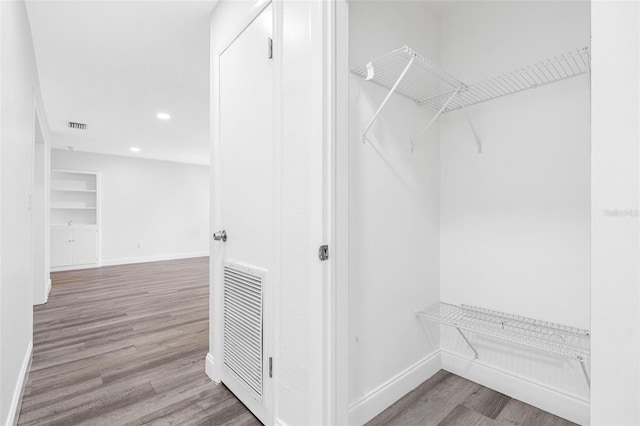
(115, 64)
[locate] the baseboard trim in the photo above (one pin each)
(132, 260)
(18, 392)
(73, 267)
(209, 363)
(555, 401)
(380, 398)
(157, 258)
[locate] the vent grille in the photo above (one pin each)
(74, 125)
(243, 354)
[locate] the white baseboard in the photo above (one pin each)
(131, 260)
(208, 367)
(380, 398)
(73, 267)
(156, 258)
(16, 401)
(546, 398)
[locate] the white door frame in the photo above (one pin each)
(340, 200)
(214, 361)
(334, 34)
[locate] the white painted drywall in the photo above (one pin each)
(393, 213)
(515, 220)
(20, 93)
(41, 213)
(615, 288)
(162, 206)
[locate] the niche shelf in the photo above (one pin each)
(559, 340)
(75, 219)
(410, 74)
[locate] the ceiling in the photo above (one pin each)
(115, 64)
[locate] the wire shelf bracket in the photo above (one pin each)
(559, 340)
(403, 71)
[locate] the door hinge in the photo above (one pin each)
(270, 48)
(323, 252)
(270, 367)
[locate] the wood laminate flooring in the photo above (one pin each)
(449, 400)
(125, 345)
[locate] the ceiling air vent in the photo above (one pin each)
(74, 125)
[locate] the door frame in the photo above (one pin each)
(40, 209)
(330, 32)
(214, 359)
(340, 201)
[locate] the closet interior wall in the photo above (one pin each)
(515, 220)
(393, 215)
(508, 229)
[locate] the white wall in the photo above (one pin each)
(41, 213)
(163, 206)
(20, 93)
(393, 216)
(515, 220)
(615, 288)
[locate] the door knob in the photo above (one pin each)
(220, 235)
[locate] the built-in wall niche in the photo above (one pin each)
(74, 198)
(75, 219)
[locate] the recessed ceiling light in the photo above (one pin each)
(163, 116)
(135, 149)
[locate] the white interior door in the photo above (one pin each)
(85, 246)
(61, 243)
(246, 167)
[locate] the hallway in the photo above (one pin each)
(126, 345)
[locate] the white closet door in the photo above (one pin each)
(61, 247)
(246, 164)
(85, 246)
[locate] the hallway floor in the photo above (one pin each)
(125, 345)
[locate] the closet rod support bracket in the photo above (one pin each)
(586, 373)
(435, 117)
(386, 99)
(473, 129)
(475, 353)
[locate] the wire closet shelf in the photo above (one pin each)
(558, 68)
(564, 341)
(410, 74)
(386, 69)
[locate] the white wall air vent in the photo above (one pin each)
(243, 354)
(74, 125)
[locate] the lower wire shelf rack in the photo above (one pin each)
(560, 340)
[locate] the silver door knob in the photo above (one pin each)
(220, 235)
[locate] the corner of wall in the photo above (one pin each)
(383, 396)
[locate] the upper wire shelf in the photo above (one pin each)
(403, 70)
(568, 342)
(558, 68)
(386, 69)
